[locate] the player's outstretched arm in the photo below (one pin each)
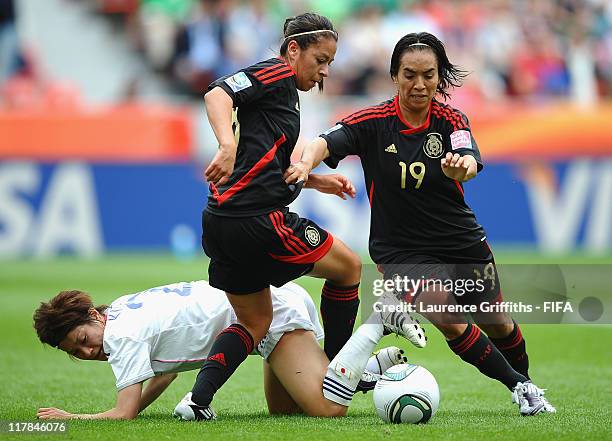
(332, 184)
(313, 154)
(154, 388)
(127, 408)
(462, 168)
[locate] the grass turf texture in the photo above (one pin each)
(571, 360)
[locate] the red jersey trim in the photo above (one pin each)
(459, 187)
(248, 176)
(371, 192)
(411, 129)
(369, 110)
(291, 242)
(275, 79)
(281, 234)
(276, 72)
(311, 257)
(281, 69)
(290, 235)
(372, 116)
(450, 115)
(266, 69)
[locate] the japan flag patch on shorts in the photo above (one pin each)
(238, 82)
(461, 139)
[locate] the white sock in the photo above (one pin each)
(344, 371)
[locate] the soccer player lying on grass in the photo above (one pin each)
(153, 334)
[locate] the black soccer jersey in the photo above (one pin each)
(267, 126)
(415, 207)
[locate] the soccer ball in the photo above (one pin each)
(406, 393)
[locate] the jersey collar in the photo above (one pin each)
(287, 64)
(411, 129)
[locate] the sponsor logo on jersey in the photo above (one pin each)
(433, 146)
(238, 82)
(312, 236)
(391, 149)
(461, 139)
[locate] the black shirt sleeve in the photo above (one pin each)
(242, 87)
(463, 142)
(344, 140)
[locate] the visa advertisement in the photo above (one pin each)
(86, 209)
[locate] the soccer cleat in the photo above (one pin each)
(530, 399)
(378, 363)
(398, 321)
(384, 358)
(187, 410)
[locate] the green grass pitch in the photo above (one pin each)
(572, 361)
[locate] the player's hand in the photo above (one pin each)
(333, 184)
(222, 166)
(460, 168)
(52, 413)
(297, 172)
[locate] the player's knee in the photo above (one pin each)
(326, 409)
(354, 266)
(257, 326)
(351, 268)
(451, 330)
(497, 330)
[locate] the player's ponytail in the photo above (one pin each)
(54, 319)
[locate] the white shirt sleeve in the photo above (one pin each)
(130, 360)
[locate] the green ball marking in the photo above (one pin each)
(405, 401)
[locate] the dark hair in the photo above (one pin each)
(309, 21)
(54, 319)
(449, 74)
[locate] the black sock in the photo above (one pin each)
(513, 348)
(475, 348)
(339, 306)
(230, 348)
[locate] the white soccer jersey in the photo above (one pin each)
(172, 328)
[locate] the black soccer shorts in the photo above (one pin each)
(471, 274)
(248, 254)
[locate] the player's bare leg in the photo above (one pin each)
(254, 312)
(278, 399)
(340, 265)
(299, 364)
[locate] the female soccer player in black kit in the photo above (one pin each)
(416, 152)
(252, 239)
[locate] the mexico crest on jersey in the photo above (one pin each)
(312, 236)
(433, 146)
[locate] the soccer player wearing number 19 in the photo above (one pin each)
(416, 152)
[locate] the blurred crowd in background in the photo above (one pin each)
(515, 49)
